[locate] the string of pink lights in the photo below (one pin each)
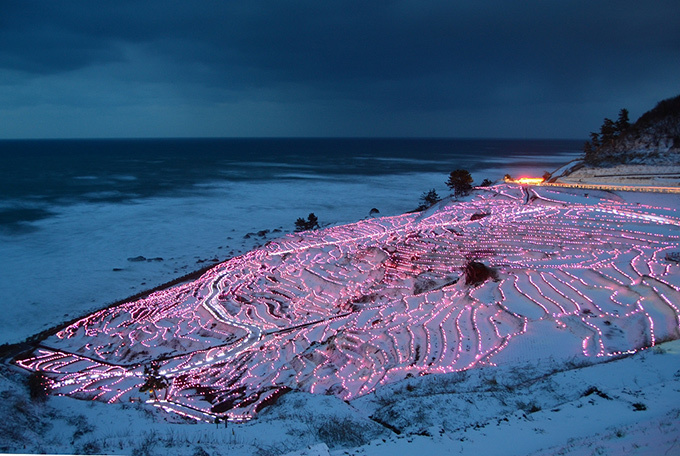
(347, 309)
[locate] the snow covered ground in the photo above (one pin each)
(77, 261)
(628, 406)
(629, 174)
(559, 398)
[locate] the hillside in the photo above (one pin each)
(654, 139)
(348, 309)
(397, 335)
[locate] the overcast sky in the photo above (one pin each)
(443, 68)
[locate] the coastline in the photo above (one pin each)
(252, 431)
(573, 172)
(60, 266)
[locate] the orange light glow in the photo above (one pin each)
(527, 180)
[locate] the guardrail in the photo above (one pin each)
(623, 188)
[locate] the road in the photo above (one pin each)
(623, 188)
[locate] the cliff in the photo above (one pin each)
(654, 139)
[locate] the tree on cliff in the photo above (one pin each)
(655, 135)
(623, 123)
(610, 132)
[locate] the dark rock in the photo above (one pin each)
(476, 273)
(478, 216)
(137, 258)
(639, 407)
(673, 256)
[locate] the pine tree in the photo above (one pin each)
(154, 381)
(460, 181)
(427, 199)
(300, 224)
(622, 123)
(594, 140)
(311, 223)
(588, 152)
(608, 131)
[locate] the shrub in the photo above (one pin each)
(341, 432)
(595, 390)
(528, 408)
(639, 407)
(199, 451)
(90, 447)
(38, 386)
(311, 223)
(429, 198)
(146, 446)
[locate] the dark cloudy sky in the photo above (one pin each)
(445, 68)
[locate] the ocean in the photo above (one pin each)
(87, 222)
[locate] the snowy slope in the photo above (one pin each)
(627, 406)
(581, 278)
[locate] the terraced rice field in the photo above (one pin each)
(347, 309)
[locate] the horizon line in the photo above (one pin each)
(179, 138)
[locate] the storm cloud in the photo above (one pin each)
(331, 68)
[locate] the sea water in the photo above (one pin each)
(84, 223)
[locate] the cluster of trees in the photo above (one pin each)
(656, 131)
(459, 181)
(610, 131)
(311, 223)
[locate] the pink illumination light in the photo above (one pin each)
(344, 310)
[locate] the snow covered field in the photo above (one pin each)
(582, 278)
(77, 261)
(629, 406)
